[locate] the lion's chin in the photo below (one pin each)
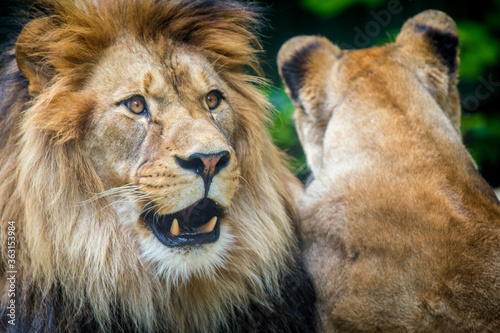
(193, 225)
(180, 264)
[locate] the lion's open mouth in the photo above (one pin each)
(196, 224)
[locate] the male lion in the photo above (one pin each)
(139, 190)
(401, 232)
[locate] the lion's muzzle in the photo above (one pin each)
(205, 165)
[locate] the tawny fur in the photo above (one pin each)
(401, 232)
(71, 176)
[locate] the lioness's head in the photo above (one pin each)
(339, 91)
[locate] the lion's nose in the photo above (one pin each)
(205, 165)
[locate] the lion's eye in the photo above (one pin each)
(136, 104)
(213, 99)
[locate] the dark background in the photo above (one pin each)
(361, 23)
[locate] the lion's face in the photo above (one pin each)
(160, 138)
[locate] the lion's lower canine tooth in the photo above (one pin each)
(174, 229)
(209, 226)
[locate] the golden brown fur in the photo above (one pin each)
(400, 231)
(78, 169)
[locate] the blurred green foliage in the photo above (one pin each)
(485, 130)
(284, 133)
(478, 49)
(478, 24)
(327, 8)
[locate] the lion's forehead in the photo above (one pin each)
(130, 67)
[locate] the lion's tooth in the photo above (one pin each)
(209, 226)
(174, 229)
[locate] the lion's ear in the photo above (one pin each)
(302, 55)
(30, 54)
(434, 32)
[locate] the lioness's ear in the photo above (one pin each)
(30, 47)
(435, 32)
(302, 55)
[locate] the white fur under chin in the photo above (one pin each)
(179, 264)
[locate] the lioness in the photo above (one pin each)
(401, 232)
